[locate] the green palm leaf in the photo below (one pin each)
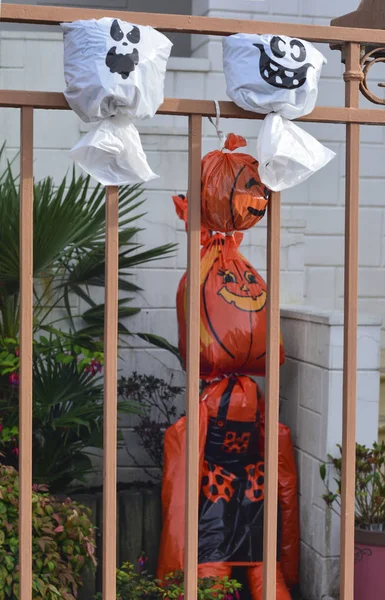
(69, 252)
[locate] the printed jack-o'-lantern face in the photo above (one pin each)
(123, 56)
(234, 305)
(233, 197)
(242, 290)
(233, 312)
(286, 67)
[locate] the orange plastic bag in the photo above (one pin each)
(231, 470)
(233, 198)
(233, 312)
(181, 207)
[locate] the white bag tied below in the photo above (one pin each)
(277, 74)
(114, 69)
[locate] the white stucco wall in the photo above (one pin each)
(311, 404)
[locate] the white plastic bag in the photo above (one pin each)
(278, 76)
(271, 73)
(114, 73)
(287, 154)
(112, 153)
(112, 67)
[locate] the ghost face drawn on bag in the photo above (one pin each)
(123, 57)
(285, 64)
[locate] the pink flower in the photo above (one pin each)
(1, 427)
(15, 451)
(237, 595)
(142, 561)
(17, 352)
(13, 379)
(95, 366)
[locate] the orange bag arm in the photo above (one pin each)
(288, 496)
(171, 552)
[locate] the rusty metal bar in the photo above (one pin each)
(110, 393)
(54, 15)
(26, 339)
(193, 354)
(352, 78)
(205, 108)
(272, 398)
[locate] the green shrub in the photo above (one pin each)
(63, 542)
(131, 585)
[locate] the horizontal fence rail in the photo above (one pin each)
(204, 108)
(353, 117)
(54, 15)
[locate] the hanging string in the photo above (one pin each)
(220, 134)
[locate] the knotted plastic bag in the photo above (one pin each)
(233, 311)
(114, 69)
(113, 153)
(288, 155)
(278, 74)
(233, 197)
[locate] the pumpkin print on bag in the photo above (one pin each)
(233, 312)
(255, 482)
(217, 483)
(236, 444)
(233, 198)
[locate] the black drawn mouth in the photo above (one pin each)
(279, 76)
(123, 64)
(256, 212)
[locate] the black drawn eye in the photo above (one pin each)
(277, 46)
(228, 277)
(251, 183)
(299, 50)
(134, 35)
(116, 33)
(250, 277)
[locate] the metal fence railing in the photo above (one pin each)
(353, 117)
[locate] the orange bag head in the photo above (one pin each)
(233, 196)
(233, 312)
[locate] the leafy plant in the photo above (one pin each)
(67, 412)
(156, 399)
(62, 542)
(69, 260)
(132, 585)
(369, 485)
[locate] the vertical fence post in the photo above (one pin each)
(193, 351)
(26, 336)
(272, 398)
(110, 394)
(352, 78)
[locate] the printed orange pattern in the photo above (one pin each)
(233, 312)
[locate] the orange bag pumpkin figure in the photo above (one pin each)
(233, 312)
(233, 198)
(231, 505)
